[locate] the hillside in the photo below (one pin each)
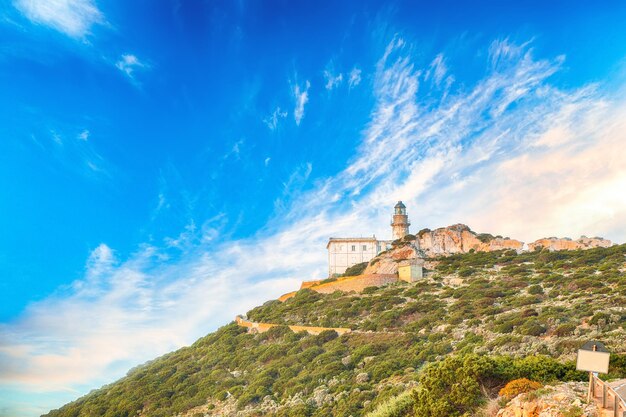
(477, 319)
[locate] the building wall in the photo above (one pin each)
(344, 253)
(410, 273)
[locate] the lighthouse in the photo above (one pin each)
(400, 223)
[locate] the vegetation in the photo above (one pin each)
(456, 385)
(478, 319)
(518, 386)
(355, 270)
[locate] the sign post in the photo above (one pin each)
(593, 357)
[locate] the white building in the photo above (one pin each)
(346, 252)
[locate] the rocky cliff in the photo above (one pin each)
(459, 238)
(584, 242)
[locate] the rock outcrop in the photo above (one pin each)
(552, 401)
(387, 262)
(459, 238)
(584, 242)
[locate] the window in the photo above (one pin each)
(353, 248)
(364, 248)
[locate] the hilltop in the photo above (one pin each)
(436, 347)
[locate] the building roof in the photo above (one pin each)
(400, 205)
(351, 239)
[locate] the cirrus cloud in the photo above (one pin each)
(71, 17)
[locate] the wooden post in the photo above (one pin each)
(590, 391)
(603, 395)
(615, 405)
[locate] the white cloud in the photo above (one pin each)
(128, 64)
(354, 78)
(272, 120)
(301, 97)
(267, 160)
(235, 150)
(332, 80)
(78, 156)
(437, 71)
(72, 17)
(56, 138)
(84, 135)
(551, 164)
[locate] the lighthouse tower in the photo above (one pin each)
(400, 223)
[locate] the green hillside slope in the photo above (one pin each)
(496, 305)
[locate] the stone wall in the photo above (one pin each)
(358, 283)
(263, 327)
(345, 284)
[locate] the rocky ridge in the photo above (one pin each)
(459, 238)
(555, 243)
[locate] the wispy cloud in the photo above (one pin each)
(71, 148)
(72, 17)
(84, 135)
(301, 97)
(56, 138)
(332, 80)
(272, 121)
(354, 78)
(437, 71)
(128, 64)
(511, 154)
(235, 150)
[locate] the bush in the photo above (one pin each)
(518, 386)
(565, 329)
(453, 387)
(466, 271)
(531, 328)
(409, 238)
(485, 237)
(355, 270)
(399, 406)
(456, 386)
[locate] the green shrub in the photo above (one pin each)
(399, 406)
(355, 270)
(466, 271)
(532, 328)
(456, 385)
(564, 329)
(599, 316)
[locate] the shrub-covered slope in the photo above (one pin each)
(497, 305)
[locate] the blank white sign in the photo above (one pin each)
(591, 361)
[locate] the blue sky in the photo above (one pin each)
(165, 165)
